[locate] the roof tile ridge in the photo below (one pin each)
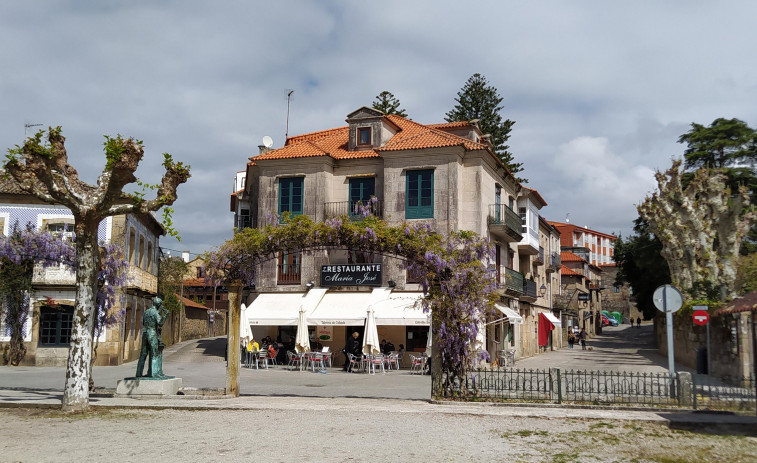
(313, 135)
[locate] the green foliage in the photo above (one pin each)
(387, 103)
(725, 143)
(479, 100)
(171, 273)
(33, 145)
(746, 274)
(641, 265)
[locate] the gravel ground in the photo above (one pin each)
(338, 432)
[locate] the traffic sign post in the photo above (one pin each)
(701, 317)
(668, 299)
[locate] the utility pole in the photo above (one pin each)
(289, 97)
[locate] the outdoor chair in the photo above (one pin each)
(418, 364)
(355, 363)
(376, 361)
(295, 360)
(262, 359)
(316, 359)
(392, 361)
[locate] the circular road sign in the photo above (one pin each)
(700, 317)
(667, 298)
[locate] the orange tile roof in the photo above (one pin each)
(450, 125)
(570, 272)
(191, 303)
(333, 142)
(567, 256)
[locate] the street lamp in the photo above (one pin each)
(542, 290)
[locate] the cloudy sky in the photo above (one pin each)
(600, 91)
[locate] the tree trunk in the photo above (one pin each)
(76, 391)
(233, 357)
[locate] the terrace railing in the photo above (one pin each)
(604, 387)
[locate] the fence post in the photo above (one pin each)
(554, 385)
(686, 390)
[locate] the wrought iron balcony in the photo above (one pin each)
(355, 210)
(505, 223)
(529, 291)
(513, 282)
(555, 262)
(539, 258)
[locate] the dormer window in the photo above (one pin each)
(363, 136)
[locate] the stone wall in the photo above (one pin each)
(731, 353)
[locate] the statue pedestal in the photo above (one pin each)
(146, 387)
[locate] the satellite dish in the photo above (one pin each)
(267, 141)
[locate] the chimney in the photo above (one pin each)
(185, 256)
(263, 149)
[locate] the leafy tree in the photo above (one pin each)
(478, 100)
(42, 169)
(387, 103)
(701, 228)
(640, 264)
(171, 273)
(725, 143)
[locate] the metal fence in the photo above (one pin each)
(604, 387)
(724, 393)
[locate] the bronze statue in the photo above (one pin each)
(152, 324)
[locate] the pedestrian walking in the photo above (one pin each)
(571, 339)
(638, 322)
(582, 338)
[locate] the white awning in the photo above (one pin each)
(282, 308)
(552, 319)
(401, 309)
(512, 316)
(339, 308)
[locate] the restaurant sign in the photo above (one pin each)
(351, 275)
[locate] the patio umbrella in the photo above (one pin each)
(245, 333)
(428, 342)
(302, 341)
(370, 337)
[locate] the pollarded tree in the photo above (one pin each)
(478, 100)
(387, 103)
(701, 228)
(42, 169)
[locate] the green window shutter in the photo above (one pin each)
(291, 195)
(419, 197)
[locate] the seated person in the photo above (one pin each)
(388, 348)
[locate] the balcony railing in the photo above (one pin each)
(513, 281)
(555, 262)
(597, 284)
(141, 280)
(505, 221)
(539, 258)
(355, 210)
(54, 275)
(288, 274)
(529, 290)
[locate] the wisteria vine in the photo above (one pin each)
(26, 247)
(451, 270)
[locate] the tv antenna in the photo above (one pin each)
(289, 97)
(27, 125)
